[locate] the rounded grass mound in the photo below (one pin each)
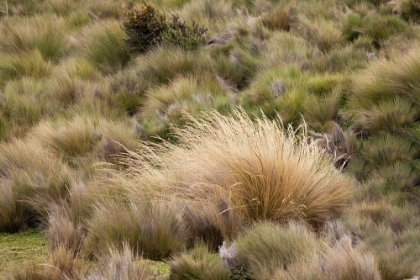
(260, 169)
(266, 171)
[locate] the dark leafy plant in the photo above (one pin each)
(179, 33)
(144, 28)
(147, 27)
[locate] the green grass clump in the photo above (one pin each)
(104, 47)
(123, 264)
(152, 229)
(278, 19)
(26, 65)
(267, 249)
(198, 263)
(376, 26)
(44, 35)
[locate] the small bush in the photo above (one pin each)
(147, 27)
(188, 37)
(144, 28)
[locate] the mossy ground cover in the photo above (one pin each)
(20, 249)
(177, 137)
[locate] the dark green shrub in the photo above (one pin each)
(144, 28)
(188, 37)
(147, 27)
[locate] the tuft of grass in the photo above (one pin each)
(345, 262)
(104, 47)
(122, 264)
(37, 178)
(386, 116)
(72, 139)
(259, 166)
(13, 215)
(376, 26)
(211, 222)
(153, 229)
(30, 64)
(281, 18)
(164, 63)
(198, 263)
(63, 232)
(268, 249)
(25, 106)
(45, 35)
(324, 34)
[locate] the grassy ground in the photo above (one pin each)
(18, 250)
(201, 138)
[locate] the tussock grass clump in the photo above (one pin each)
(388, 79)
(60, 265)
(345, 262)
(281, 18)
(268, 249)
(122, 264)
(64, 231)
(260, 167)
(73, 139)
(164, 63)
(36, 178)
(409, 10)
(378, 27)
(386, 116)
(104, 47)
(25, 105)
(324, 34)
(153, 229)
(198, 263)
(30, 64)
(46, 35)
(13, 215)
(184, 95)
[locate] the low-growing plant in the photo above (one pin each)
(188, 37)
(122, 264)
(144, 28)
(45, 35)
(268, 248)
(281, 18)
(147, 27)
(198, 263)
(104, 47)
(152, 229)
(31, 64)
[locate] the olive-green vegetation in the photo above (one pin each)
(210, 139)
(17, 250)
